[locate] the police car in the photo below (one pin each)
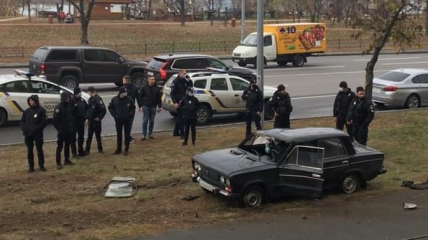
(218, 93)
(15, 90)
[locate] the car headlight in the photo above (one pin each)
(225, 181)
(197, 166)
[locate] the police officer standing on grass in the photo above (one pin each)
(254, 106)
(282, 108)
(132, 92)
(178, 91)
(94, 117)
(341, 105)
(63, 121)
(121, 108)
(360, 115)
(33, 122)
(80, 108)
(189, 106)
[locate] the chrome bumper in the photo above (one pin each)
(210, 187)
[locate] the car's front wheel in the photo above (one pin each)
(69, 81)
(138, 79)
(242, 64)
(3, 117)
(253, 197)
(350, 183)
(203, 115)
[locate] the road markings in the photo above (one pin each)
(403, 63)
(386, 59)
(318, 74)
(299, 69)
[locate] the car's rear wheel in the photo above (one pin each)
(298, 61)
(3, 117)
(249, 77)
(253, 197)
(255, 62)
(242, 64)
(203, 114)
(412, 101)
(69, 81)
(138, 79)
(350, 183)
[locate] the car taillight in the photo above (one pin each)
(42, 68)
(162, 72)
(390, 88)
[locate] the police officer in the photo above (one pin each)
(360, 115)
(189, 106)
(121, 108)
(254, 106)
(94, 116)
(80, 108)
(63, 121)
(33, 122)
(341, 105)
(132, 91)
(178, 91)
(282, 108)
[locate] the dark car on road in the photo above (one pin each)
(70, 66)
(164, 66)
(281, 162)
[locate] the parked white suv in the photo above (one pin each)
(219, 93)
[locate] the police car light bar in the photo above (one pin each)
(218, 70)
(23, 73)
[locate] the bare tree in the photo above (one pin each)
(85, 16)
(388, 20)
(29, 10)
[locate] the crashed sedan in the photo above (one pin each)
(281, 162)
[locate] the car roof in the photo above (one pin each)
(181, 55)
(204, 74)
(72, 47)
(12, 78)
(410, 70)
(303, 134)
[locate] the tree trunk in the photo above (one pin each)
(426, 18)
(29, 10)
(183, 13)
(84, 27)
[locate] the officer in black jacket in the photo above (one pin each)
(33, 122)
(178, 91)
(94, 116)
(121, 108)
(341, 105)
(150, 97)
(132, 91)
(63, 121)
(282, 107)
(254, 106)
(360, 115)
(80, 107)
(189, 106)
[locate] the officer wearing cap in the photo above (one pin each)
(341, 106)
(122, 108)
(282, 107)
(254, 106)
(94, 116)
(80, 107)
(189, 106)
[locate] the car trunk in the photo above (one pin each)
(36, 61)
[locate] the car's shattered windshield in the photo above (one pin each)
(265, 147)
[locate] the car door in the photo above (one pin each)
(302, 171)
(336, 160)
(269, 47)
(238, 85)
(423, 88)
(222, 98)
(102, 66)
(49, 95)
(16, 94)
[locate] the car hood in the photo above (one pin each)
(241, 70)
(142, 63)
(229, 160)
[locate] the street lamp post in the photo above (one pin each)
(260, 54)
(243, 20)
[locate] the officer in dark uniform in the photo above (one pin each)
(282, 107)
(360, 115)
(178, 91)
(80, 108)
(189, 106)
(254, 106)
(341, 105)
(94, 116)
(33, 122)
(63, 121)
(132, 92)
(121, 108)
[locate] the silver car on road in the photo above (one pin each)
(404, 87)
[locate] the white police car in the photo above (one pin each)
(15, 90)
(218, 93)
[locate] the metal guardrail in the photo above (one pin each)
(219, 47)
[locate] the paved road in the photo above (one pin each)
(312, 88)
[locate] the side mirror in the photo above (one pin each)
(228, 68)
(120, 60)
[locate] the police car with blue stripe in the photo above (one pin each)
(218, 93)
(15, 90)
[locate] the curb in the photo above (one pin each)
(229, 57)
